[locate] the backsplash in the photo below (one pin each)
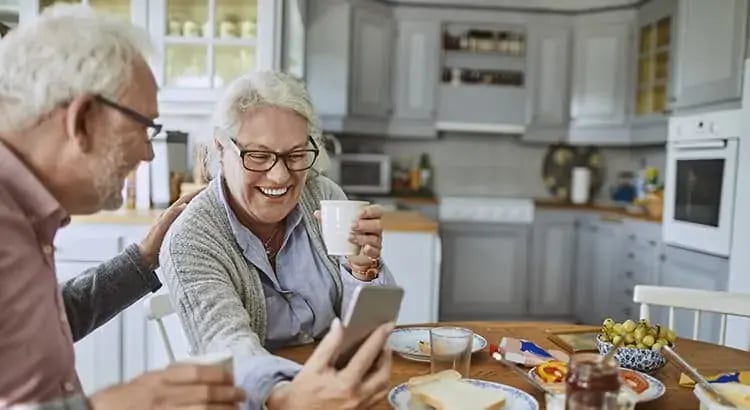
(471, 164)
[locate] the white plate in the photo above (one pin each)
(405, 342)
(655, 389)
(515, 399)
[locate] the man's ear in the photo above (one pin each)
(77, 121)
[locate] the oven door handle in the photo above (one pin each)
(702, 145)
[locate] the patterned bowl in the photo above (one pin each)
(642, 360)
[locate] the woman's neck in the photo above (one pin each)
(260, 229)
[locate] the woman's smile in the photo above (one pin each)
(274, 193)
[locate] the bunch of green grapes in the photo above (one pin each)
(641, 335)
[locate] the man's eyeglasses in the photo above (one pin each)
(263, 161)
(153, 128)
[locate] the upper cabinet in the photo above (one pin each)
(484, 68)
(711, 52)
(348, 67)
(548, 78)
(132, 10)
(654, 80)
(415, 77)
(601, 78)
(204, 44)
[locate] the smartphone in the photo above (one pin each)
(370, 307)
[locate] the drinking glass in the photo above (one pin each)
(450, 348)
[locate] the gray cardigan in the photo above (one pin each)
(200, 256)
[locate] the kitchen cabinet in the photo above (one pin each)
(607, 261)
(690, 269)
(711, 38)
(654, 54)
(601, 67)
(583, 290)
(553, 251)
(416, 77)
(134, 11)
(348, 64)
(484, 271)
(548, 82)
(483, 67)
(640, 255)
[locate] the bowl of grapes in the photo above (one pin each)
(641, 345)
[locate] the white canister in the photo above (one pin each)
(579, 192)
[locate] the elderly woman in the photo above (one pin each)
(245, 264)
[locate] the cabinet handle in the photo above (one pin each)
(629, 292)
(662, 257)
(594, 229)
(626, 311)
(666, 112)
(631, 237)
(652, 242)
(631, 255)
(629, 275)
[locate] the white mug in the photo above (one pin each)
(336, 218)
(225, 360)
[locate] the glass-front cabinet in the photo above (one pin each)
(200, 45)
(205, 44)
(654, 59)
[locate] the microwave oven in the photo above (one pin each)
(365, 173)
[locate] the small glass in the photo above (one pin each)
(450, 348)
(592, 383)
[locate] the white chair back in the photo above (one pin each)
(723, 303)
(157, 307)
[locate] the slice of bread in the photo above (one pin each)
(446, 391)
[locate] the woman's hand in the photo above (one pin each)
(367, 232)
(149, 246)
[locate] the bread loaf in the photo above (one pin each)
(447, 391)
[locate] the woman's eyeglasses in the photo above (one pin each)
(263, 161)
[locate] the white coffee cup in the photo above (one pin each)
(225, 360)
(336, 218)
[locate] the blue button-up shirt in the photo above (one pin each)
(300, 296)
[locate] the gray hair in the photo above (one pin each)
(68, 51)
(264, 89)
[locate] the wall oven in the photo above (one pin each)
(700, 182)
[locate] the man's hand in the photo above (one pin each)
(149, 247)
(176, 387)
(361, 384)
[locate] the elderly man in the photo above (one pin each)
(77, 110)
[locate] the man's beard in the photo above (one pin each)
(109, 172)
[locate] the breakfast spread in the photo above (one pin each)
(446, 390)
(528, 353)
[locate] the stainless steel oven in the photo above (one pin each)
(700, 184)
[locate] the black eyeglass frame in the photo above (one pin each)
(154, 128)
(231, 143)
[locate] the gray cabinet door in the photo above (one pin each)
(372, 57)
(583, 290)
(711, 51)
(552, 262)
(484, 271)
(417, 63)
(548, 81)
(608, 259)
(600, 72)
(689, 269)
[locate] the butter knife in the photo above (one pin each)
(512, 366)
(697, 377)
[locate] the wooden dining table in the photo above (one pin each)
(707, 358)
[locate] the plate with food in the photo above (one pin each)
(448, 390)
(413, 343)
(553, 373)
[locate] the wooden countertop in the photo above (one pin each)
(611, 210)
(401, 221)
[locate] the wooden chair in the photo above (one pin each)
(723, 303)
(157, 307)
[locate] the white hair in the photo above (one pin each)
(266, 89)
(68, 51)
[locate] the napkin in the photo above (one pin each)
(528, 353)
(742, 377)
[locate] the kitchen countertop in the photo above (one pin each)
(609, 210)
(399, 221)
